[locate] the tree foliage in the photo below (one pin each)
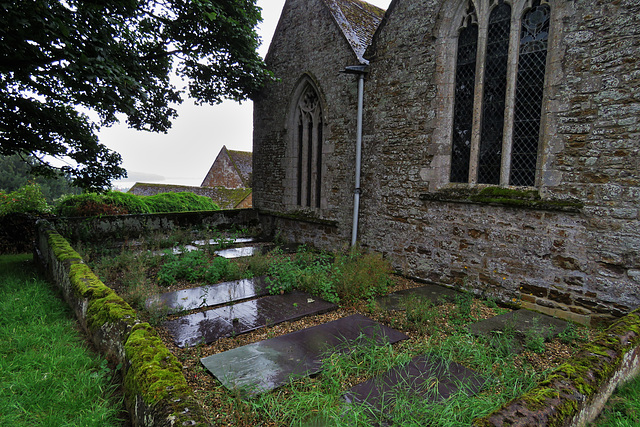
(63, 60)
(15, 174)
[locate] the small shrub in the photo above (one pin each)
(27, 199)
(360, 275)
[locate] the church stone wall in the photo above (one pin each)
(575, 252)
(583, 262)
(308, 44)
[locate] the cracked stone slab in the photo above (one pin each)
(427, 378)
(265, 365)
(209, 295)
(434, 293)
(208, 326)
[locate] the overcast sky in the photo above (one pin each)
(185, 154)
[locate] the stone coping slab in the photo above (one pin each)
(433, 293)
(265, 365)
(209, 295)
(243, 317)
(426, 377)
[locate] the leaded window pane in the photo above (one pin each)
(463, 110)
(495, 86)
(529, 91)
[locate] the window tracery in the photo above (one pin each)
(308, 147)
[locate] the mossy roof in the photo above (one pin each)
(358, 21)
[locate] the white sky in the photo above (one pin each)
(185, 154)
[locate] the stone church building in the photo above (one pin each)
(490, 145)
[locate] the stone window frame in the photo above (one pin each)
(452, 18)
(296, 196)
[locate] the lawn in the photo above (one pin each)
(48, 376)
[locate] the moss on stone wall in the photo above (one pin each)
(502, 196)
(156, 376)
(155, 388)
(574, 384)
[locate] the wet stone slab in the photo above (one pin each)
(265, 365)
(520, 323)
(239, 252)
(243, 317)
(427, 378)
(209, 295)
(434, 293)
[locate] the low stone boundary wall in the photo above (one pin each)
(155, 390)
(131, 226)
(575, 393)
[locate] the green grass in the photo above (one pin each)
(623, 407)
(47, 375)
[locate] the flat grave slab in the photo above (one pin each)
(243, 317)
(237, 240)
(520, 322)
(425, 377)
(238, 252)
(433, 293)
(265, 365)
(209, 295)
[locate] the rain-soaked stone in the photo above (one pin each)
(433, 293)
(265, 365)
(519, 324)
(237, 240)
(210, 325)
(238, 252)
(427, 378)
(208, 296)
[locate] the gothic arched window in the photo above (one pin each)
(497, 115)
(308, 148)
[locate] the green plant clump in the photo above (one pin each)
(117, 203)
(336, 277)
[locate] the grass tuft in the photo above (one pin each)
(47, 375)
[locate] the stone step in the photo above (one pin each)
(243, 317)
(265, 365)
(208, 296)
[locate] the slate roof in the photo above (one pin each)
(243, 161)
(232, 169)
(358, 21)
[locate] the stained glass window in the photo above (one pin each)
(495, 87)
(498, 84)
(529, 91)
(463, 110)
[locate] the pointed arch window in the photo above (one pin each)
(308, 148)
(497, 114)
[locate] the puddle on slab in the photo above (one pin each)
(265, 365)
(208, 296)
(238, 252)
(242, 317)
